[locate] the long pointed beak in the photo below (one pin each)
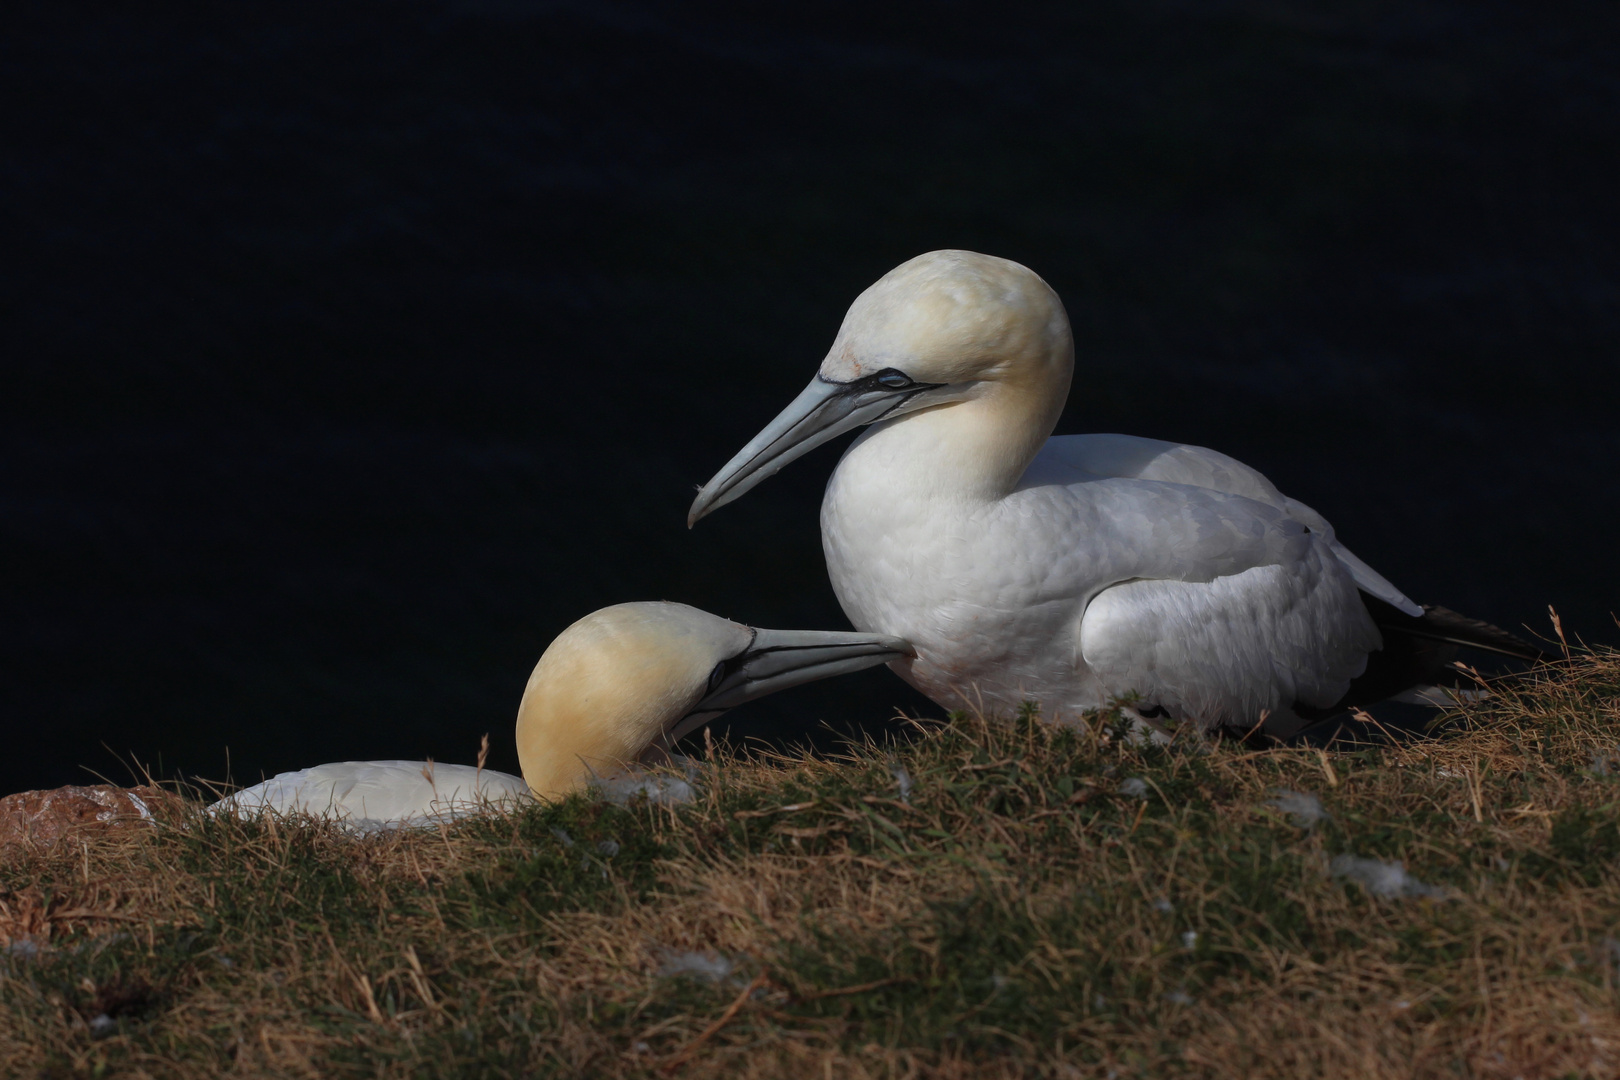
(778, 659)
(823, 411)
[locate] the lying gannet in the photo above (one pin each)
(1080, 570)
(617, 688)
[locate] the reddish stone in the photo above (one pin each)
(44, 817)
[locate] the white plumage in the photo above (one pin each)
(377, 794)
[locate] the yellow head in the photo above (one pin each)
(611, 684)
(628, 680)
(955, 317)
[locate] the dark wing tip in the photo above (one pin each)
(1461, 630)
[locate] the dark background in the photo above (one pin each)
(352, 350)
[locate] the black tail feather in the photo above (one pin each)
(1418, 651)
(1444, 625)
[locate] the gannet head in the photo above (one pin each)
(624, 683)
(945, 327)
(948, 318)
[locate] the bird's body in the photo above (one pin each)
(1072, 571)
(380, 793)
(613, 692)
(1113, 568)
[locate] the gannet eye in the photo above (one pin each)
(892, 379)
(716, 677)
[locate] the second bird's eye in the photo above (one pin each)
(894, 380)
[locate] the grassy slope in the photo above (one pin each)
(1022, 915)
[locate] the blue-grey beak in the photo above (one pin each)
(778, 659)
(823, 411)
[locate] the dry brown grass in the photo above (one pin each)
(1020, 914)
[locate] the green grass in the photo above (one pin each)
(1022, 912)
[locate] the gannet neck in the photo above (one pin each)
(976, 449)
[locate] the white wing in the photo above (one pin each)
(1219, 599)
(372, 794)
(1231, 649)
(1126, 456)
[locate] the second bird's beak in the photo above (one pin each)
(778, 659)
(823, 411)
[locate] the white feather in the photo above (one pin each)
(370, 792)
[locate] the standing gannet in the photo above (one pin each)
(1079, 570)
(617, 688)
